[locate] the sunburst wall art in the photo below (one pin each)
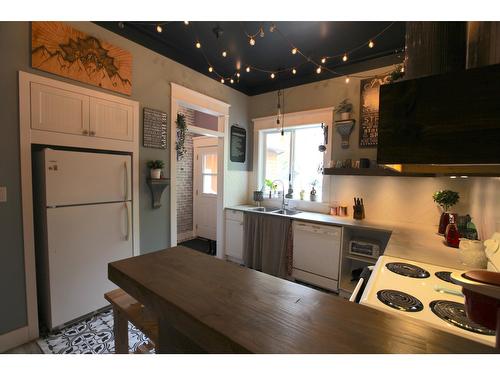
(60, 49)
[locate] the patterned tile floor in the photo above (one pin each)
(92, 335)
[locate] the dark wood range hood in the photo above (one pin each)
(443, 113)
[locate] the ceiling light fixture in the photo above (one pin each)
(159, 29)
(198, 45)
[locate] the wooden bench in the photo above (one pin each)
(127, 309)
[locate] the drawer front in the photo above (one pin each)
(234, 215)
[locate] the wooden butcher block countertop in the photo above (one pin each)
(209, 305)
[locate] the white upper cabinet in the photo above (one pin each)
(58, 110)
(64, 111)
(110, 119)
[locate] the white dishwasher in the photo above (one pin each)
(316, 254)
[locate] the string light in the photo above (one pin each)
(159, 29)
(210, 69)
(186, 23)
(224, 53)
(323, 60)
(347, 79)
(248, 69)
(294, 71)
(294, 51)
(261, 32)
(318, 69)
(232, 80)
(198, 45)
(371, 44)
(272, 28)
(251, 41)
(222, 80)
(238, 74)
(344, 58)
(273, 75)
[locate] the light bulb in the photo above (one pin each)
(261, 32)
(198, 45)
(294, 71)
(318, 69)
(347, 79)
(294, 51)
(323, 60)
(272, 28)
(371, 44)
(273, 75)
(232, 80)
(159, 29)
(224, 53)
(121, 25)
(248, 69)
(402, 69)
(251, 41)
(344, 58)
(222, 80)
(186, 22)
(238, 74)
(210, 69)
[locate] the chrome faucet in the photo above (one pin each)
(283, 204)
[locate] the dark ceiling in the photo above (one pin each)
(272, 52)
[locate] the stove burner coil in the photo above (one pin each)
(409, 270)
(445, 276)
(454, 313)
(399, 300)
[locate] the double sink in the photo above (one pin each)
(285, 212)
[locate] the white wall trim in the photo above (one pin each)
(291, 115)
(27, 138)
(182, 96)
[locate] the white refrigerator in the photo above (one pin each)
(83, 221)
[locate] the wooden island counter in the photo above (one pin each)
(207, 305)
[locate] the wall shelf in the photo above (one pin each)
(157, 187)
(373, 172)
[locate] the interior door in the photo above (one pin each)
(85, 177)
(205, 192)
(82, 240)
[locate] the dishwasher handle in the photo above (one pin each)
(331, 231)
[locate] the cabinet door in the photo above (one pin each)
(58, 110)
(110, 119)
(234, 239)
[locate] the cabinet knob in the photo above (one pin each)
(85, 132)
(92, 133)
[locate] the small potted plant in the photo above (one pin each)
(344, 109)
(155, 168)
(272, 187)
(312, 194)
(446, 199)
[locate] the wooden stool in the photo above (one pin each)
(125, 309)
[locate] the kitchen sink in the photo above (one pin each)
(286, 212)
(262, 209)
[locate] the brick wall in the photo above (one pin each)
(185, 183)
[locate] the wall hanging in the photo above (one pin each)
(154, 128)
(60, 49)
(238, 143)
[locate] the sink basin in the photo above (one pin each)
(286, 212)
(261, 209)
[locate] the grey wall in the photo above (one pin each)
(152, 74)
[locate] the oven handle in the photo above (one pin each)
(356, 290)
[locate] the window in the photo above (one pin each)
(294, 156)
(209, 172)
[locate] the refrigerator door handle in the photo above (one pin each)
(126, 180)
(127, 237)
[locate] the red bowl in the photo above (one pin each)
(481, 308)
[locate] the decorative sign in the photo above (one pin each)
(368, 119)
(154, 128)
(58, 48)
(238, 143)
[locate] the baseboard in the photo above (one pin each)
(14, 338)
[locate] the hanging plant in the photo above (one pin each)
(181, 135)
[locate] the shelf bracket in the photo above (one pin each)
(157, 187)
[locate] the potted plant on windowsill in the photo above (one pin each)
(155, 168)
(446, 199)
(272, 187)
(344, 110)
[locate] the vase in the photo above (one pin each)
(444, 220)
(451, 234)
(155, 173)
(312, 195)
